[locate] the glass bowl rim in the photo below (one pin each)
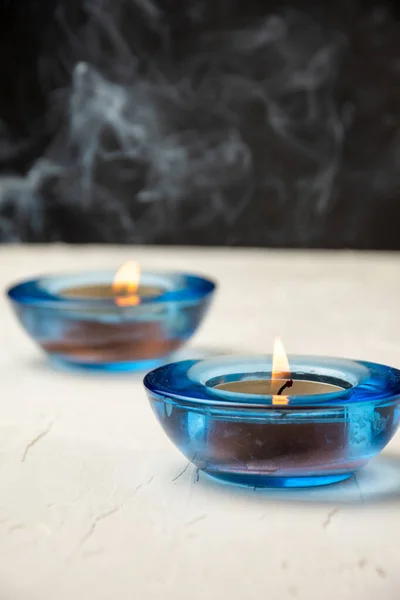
(372, 388)
(32, 292)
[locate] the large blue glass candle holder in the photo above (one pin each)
(78, 323)
(220, 414)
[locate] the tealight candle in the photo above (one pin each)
(263, 387)
(281, 383)
(115, 337)
(106, 292)
(314, 425)
(125, 290)
(117, 322)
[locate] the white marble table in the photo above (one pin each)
(96, 503)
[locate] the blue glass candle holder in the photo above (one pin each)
(96, 333)
(245, 438)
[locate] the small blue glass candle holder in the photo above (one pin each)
(81, 330)
(245, 438)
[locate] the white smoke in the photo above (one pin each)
(246, 116)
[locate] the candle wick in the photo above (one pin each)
(288, 384)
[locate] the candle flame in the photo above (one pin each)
(126, 284)
(280, 371)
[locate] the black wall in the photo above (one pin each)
(224, 122)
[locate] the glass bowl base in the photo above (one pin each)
(123, 367)
(273, 481)
(94, 332)
(250, 439)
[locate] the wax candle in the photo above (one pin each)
(112, 321)
(220, 415)
(113, 338)
(125, 290)
(267, 441)
(300, 387)
(106, 292)
(281, 384)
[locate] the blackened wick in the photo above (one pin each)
(288, 384)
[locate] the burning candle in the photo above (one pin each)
(290, 443)
(118, 335)
(281, 384)
(125, 290)
(237, 419)
(123, 321)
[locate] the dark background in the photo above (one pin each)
(208, 122)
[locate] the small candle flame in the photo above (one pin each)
(126, 284)
(280, 371)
